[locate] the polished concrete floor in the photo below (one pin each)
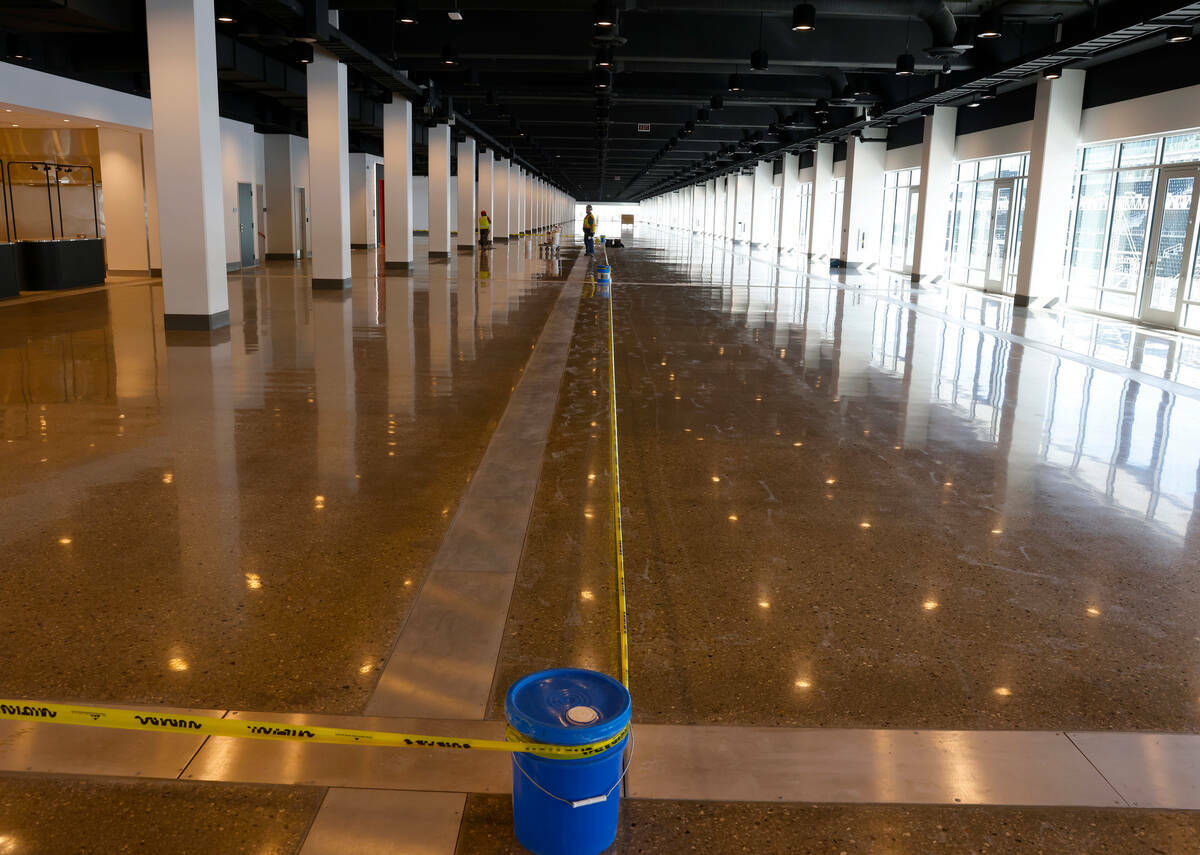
(848, 503)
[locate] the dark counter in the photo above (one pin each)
(52, 265)
(10, 270)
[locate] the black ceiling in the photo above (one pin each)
(525, 79)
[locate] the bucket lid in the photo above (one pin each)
(568, 706)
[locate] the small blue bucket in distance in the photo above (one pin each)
(567, 706)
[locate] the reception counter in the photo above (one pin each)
(52, 265)
(10, 270)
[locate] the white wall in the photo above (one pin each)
(24, 87)
(364, 200)
(124, 201)
(421, 203)
(994, 141)
(903, 158)
(1160, 113)
(242, 161)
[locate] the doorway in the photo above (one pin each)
(379, 204)
(994, 279)
(1168, 289)
(301, 223)
(245, 195)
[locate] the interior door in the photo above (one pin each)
(1167, 262)
(246, 224)
(1002, 220)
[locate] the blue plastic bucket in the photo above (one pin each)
(567, 706)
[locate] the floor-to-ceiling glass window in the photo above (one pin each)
(897, 235)
(983, 229)
(1133, 244)
(805, 208)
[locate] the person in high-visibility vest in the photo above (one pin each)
(485, 229)
(589, 232)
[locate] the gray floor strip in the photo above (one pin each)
(383, 822)
(445, 658)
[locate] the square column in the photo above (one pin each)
(397, 184)
(181, 42)
(933, 205)
(467, 212)
(718, 223)
(501, 184)
(821, 215)
(487, 185)
(1055, 135)
(731, 185)
(789, 204)
(863, 202)
(710, 223)
(439, 191)
(518, 202)
(280, 152)
(329, 171)
(761, 213)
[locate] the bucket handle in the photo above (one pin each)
(594, 800)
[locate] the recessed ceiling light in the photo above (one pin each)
(1052, 73)
(1179, 35)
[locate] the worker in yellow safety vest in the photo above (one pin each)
(589, 232)
(485, 229)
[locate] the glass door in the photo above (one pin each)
(910, 238)
(1170, 246)
(997, 252)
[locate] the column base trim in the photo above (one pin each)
(500, 240)
(397, 265)
(142, 272)
(331, 284)
(1025, 301)
(194, 323)
(463, 246)
(362, 246)
(283, 256)
(434, 253)
(231, 266)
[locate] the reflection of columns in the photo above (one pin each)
(181, 42)
(440, 334)
(1055, 136)
(439, 190)
(135, 344)
(466, 311)
(863, 201)
(499, 289)
(789, 203)
(401, 349)
(203, 466)
(329, 171)
(933, 205)
(333, 367)
(855, 320)
(397, 184)
(920, 363)
(760, 216)
(466, 194)
(820, 222)
(503, 214)
(487, 186)
(1022, 423)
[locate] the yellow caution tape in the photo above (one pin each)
(123, 719)
(618, 540)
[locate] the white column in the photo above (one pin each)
(397, 184)
(280, 189)
(710, 224)
(467, 211)
(519, 202)
(933, 205)
(789, 202)
(502, 187)
(820, 226)
(439, 190)
(487, 186)
(1051, 173)
(328, 171)
(731, 185)
(863, 201)
(719, 218)
(181, 42)
(760, 217)
(126, 240)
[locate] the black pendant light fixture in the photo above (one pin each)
(736, 83)
(603, 58)
(1053, 72)
(758, 58)
(606, 14)
(602, 78)
(406, 12)
(991, 26)
(906, 63)
(804, 18)
(716, 102)
(449, 55)
(1179, 35)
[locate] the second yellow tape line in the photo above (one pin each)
(123, 719)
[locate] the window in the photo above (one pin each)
(805, 244)
(983, 229)
(901, 192)
(839, 196)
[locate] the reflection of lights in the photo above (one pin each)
(721, 351)
(445, 512)
(764, 604)
(1003, 691)
(663, 364)
(997, 531)
(8, 843)
(678, 397)
(929, 605)
(716, 479)
(177, 663)
(587, 595)
(948, 484)
(797, 444)
(591, 476)
(896, 448)
(588, 515)
(253, 581)
(65, 541)
(168, 478)
(408, 583)
(733, 517)
(758, 397)
(1093, 611)
(866, 433)
(864, 524)
(831, 481)
(318, 502)
(365, 668)
(803, 684)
